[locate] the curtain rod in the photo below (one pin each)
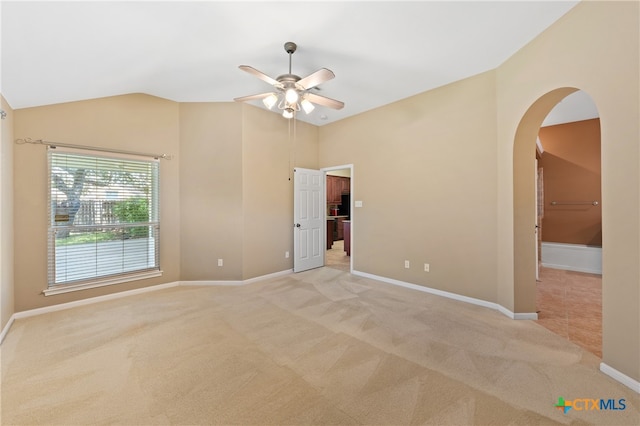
(92, 148)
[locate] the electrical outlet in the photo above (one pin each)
(286, 254)
(406, 264)
(426, 267)
(220, 262)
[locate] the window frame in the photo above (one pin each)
(99, 280)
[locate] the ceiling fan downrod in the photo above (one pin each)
(290, 47)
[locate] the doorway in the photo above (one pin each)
(569, 293)
(555, 286)
(339, 217)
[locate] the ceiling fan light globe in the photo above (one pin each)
(307, 106)
(287, 113)
(291, 95)
(270, 100)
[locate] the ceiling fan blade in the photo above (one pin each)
(252, 97)
(316, 78)
(262, 76)
(324, 101)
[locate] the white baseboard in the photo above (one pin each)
(572, 257)
(454, 296)
(241, 282)
(212, 282)
(6, 328)
(532, 316)
(91, 300)
(620, 377)
(83, 302)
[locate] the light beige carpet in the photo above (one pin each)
(319, 347)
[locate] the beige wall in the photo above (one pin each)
(269, 156)
(131, 122)
(211, 191)
(236, 195)
(6, 215)
(595, 47)
(439, 204)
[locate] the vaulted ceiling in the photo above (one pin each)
(380, 52)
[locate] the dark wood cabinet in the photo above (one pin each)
(340, 228)
(330, 228)
(347, 237)
(336, 186)
(333, 190)
(345, 185)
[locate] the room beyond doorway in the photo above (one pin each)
(339, 218)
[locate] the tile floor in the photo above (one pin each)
(570, 304)
(337, 258)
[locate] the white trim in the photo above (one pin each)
(91, 300)
(454, 296)
(83, 302)
(344, 166)
(211, 282)
(532, 316)
(6, 328)
(241, 282)
(101, 283)
(268, 276)
(539, 147)
(121, 294)
(632, 384)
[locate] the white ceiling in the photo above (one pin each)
(575, 107)
(380, 51)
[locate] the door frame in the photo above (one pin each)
(351, 209)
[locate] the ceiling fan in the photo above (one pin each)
(292, 93)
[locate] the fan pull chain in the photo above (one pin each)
(292, 146)
(290, 171)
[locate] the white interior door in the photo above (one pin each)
(309, 219)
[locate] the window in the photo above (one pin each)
(103, 219)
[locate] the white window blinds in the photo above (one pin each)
(103, 217)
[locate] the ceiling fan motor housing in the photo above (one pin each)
(288, 81)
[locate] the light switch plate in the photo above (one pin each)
(358, 203)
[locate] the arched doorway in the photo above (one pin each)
(524, 192)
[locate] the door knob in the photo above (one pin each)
(298, 225)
